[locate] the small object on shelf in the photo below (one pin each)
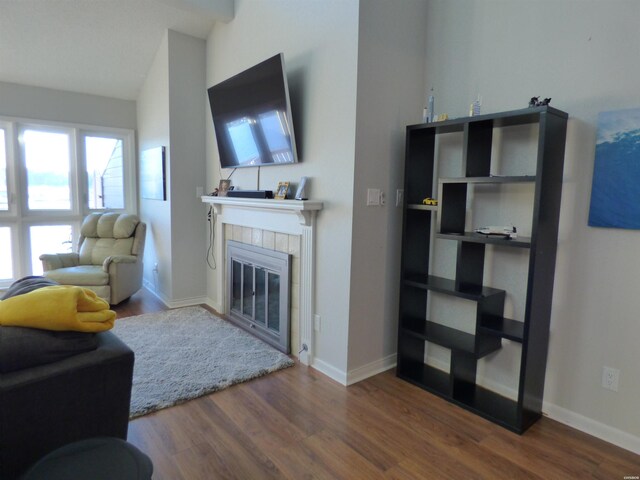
(430, 201)
(300, 192)
(474, 108)
(282, 191)
(498, 231)
(224, 187)
(442, 117)
(536, 102)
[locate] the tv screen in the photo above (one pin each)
(252, 117)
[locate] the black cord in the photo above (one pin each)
(232, 172)
(211, 255)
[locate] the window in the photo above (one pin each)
(48, 163)
(105, 172)
(4, 192)
(56, 175)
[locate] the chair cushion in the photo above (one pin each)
(109, 225)
(81, 275)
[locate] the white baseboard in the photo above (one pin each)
(184, 302)
(330, 371)
(369, 370)
(592, 427)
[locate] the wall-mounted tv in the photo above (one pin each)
(252, 117)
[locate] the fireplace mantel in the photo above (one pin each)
(293, 217)
(303, 209)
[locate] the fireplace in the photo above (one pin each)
(258, 286)
(295, 219)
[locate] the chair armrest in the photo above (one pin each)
(118, 259)
(59, 260)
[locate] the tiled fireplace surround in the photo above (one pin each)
(282, 225)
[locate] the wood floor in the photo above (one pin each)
(299, 424)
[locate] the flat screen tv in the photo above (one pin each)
(252, 117)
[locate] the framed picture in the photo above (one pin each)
(223, 188)
(153, 184)
(281, 192)
(616, 174)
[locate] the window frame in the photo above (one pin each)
(19, 218)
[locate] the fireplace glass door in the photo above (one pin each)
(258, 289)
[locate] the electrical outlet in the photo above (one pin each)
(155, 267)
(399, 197)
(610, 378)
(316, 322)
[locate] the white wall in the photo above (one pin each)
(582, 54)
(391, 66)
(154, 131)
(319, 42)
(58, 106)
(187, 102)
(171, 114)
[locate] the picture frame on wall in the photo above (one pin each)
(153, 175)
(282, 191)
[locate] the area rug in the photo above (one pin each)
(188, 352)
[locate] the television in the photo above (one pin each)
(252, 117)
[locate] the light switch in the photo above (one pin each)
(373, 197)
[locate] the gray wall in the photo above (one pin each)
(319, 42)
(171, 114)
(582, 54)
(55, 105)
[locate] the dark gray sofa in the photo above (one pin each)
(47, 406)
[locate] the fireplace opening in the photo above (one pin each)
(258, 282)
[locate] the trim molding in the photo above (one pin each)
(370, 369)
(592, 427)
(330, 371)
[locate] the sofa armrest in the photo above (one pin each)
(45, 407)
(53, 261)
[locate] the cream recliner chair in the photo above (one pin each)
(109, 258)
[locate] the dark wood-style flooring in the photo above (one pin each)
(299, 424)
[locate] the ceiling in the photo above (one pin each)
(100, 47)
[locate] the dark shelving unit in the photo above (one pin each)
(458, 385)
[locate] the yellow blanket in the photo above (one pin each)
(60, 308)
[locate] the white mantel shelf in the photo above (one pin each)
(294, 217)
(302, 208)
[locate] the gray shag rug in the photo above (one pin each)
(188, 352)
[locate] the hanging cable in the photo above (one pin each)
(211, 254)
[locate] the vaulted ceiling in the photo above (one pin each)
(100, 47)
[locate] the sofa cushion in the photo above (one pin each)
(22, 347)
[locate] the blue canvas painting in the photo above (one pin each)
(615, 193)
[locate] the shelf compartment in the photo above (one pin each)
(520, 242)
(491, 179)
(490, 405)
(448, 337)
(502, 327)
(418, 206)
(447, 286)
(426, 377)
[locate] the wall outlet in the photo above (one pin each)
(316, 322)
(399, 197)
(610, 378)
(155, 267)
